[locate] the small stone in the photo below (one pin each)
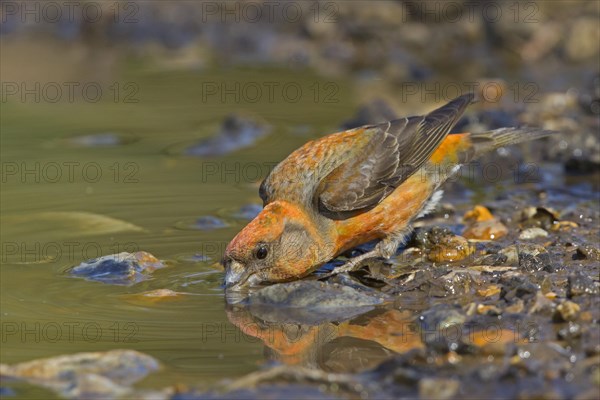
(571, 331)
(489, 291)
(438, 389)
(568, 311)
(485, 230)
(154, 296)
(488, 309)
(532, 233)
(533, 257)
(563, 226)
(203, 223)
(118, 269)
(550, 295)
(587, 252)
(449, 249)
(86, 375)
(236, 132)
(106, 139)
(580, 284)
(478, 214)
(311, 302)
(539, 217)
(248, 211)
(516, 307)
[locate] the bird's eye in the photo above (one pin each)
(261, 252)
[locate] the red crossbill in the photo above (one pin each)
(353, 187)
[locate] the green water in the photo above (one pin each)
(47, 313)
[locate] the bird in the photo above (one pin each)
(352, 187)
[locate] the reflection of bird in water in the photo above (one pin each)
(334, 346)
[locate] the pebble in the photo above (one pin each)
(86, 375)
(532, 233)
(118, 269)
(485, 230)
(106, 139)
(438, 388)
(449, 249)
(568, 311)
(236, 132)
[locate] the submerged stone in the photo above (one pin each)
(118, 269)
(236, 132)
(105, 139)
(313, 302)
(203, 223)
(248, 211)
(86, 375)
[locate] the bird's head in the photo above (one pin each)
(280, 244)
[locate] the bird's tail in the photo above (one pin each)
(487, 141)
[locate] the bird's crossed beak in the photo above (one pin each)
(234, 272)
(237, 276)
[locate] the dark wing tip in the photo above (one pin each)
(453, 109)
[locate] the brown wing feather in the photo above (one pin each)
(396, 150)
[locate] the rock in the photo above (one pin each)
(589, 99)
(118, 269)
(273, 391)
(532, 233)
(248, 211)
(538, 217)
(489, 291)
(86, 375)
(154, 296)
(518, 287)
(571, 331)
(236, 132)
(568, 311)
(580, 284)
(438, 389)
(7, 392)
(481, 225)
(203, 223)
(107, 139)
(441, 327)
(510, 255)
(312, 302)
(587, 252)
(478, 214)
(533, 257)
(449, 249)
(441, 245)
(485, 230)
